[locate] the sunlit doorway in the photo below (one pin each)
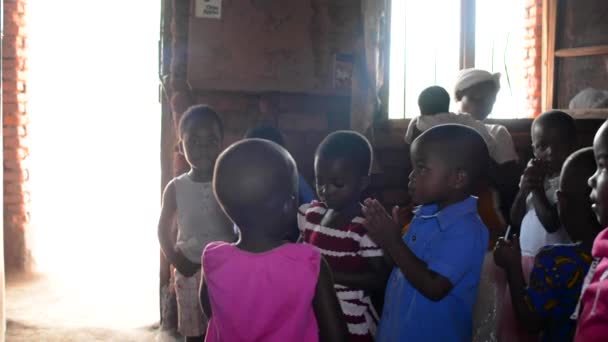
(95, 174)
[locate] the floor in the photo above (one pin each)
(47, 308)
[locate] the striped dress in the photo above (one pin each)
(346, 250)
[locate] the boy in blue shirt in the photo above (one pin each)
(437, 264)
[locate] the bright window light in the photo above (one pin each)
(499, 47)
(424, 51)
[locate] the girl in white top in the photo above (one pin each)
(535, 206)
(200, 220)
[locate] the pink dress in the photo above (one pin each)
(261, 296)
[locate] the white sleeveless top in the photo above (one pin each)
(533, 235)
(200, 219)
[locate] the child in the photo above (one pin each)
(433, 286)
(189, 198)
(264, 288)
(434, 104)
(550, 297)
(592, 311)
(305, 193)
(334, 226)
(534, 210)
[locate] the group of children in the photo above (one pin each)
(244, 273)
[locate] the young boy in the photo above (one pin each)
(550, 297)
(592, 311)
(438, 262)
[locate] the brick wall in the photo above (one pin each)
(15, 130)
(533, 46)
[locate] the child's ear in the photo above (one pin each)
(460, 180)
(180, 148)
(365, 182)
(561, 199)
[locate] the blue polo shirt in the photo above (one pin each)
(452, 242)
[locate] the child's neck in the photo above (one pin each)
(199, 176)
(257, 243)
(343, 216)
(455, 198)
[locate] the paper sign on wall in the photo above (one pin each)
(208, 9)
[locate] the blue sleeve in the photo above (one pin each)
(306, 193)
(459, 252)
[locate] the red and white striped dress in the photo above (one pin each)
(346, 250)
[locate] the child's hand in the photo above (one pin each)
(507, 254)
(383, 229)
(534, 176)
(185, 266)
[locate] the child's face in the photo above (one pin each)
(338, 183)
(430, 176)
(599, 181)
(550, 146)
(201, 145)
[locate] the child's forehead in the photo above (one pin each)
(342, 164)
(204, 126)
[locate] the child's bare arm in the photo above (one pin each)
(167, 215)
(372, 280)
(508, 256)
(531, 180)
(546, 212)
(327, 308)
(387, 234)
(204, 297)
(518, 210)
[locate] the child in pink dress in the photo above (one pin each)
(264, 288)
(592, 311)
(334, 226)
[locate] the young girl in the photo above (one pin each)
(592, 310)
(189, 198)
(534, 209)
(264, 288)
(334, 226)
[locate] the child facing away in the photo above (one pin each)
(268, 132)
(433, 286)
(334, 226)
(545, 303)
(434, 104)
(534, 211)
(592, 310)
(200, 220)
(264, 288)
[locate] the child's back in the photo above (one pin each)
(252, 280)
(264, 288)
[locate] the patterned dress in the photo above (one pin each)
(555, 286)
(346, 249)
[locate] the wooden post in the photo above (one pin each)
(467, 34)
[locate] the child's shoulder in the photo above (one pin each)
(560, 253)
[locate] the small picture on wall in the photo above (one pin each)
(343, 71)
